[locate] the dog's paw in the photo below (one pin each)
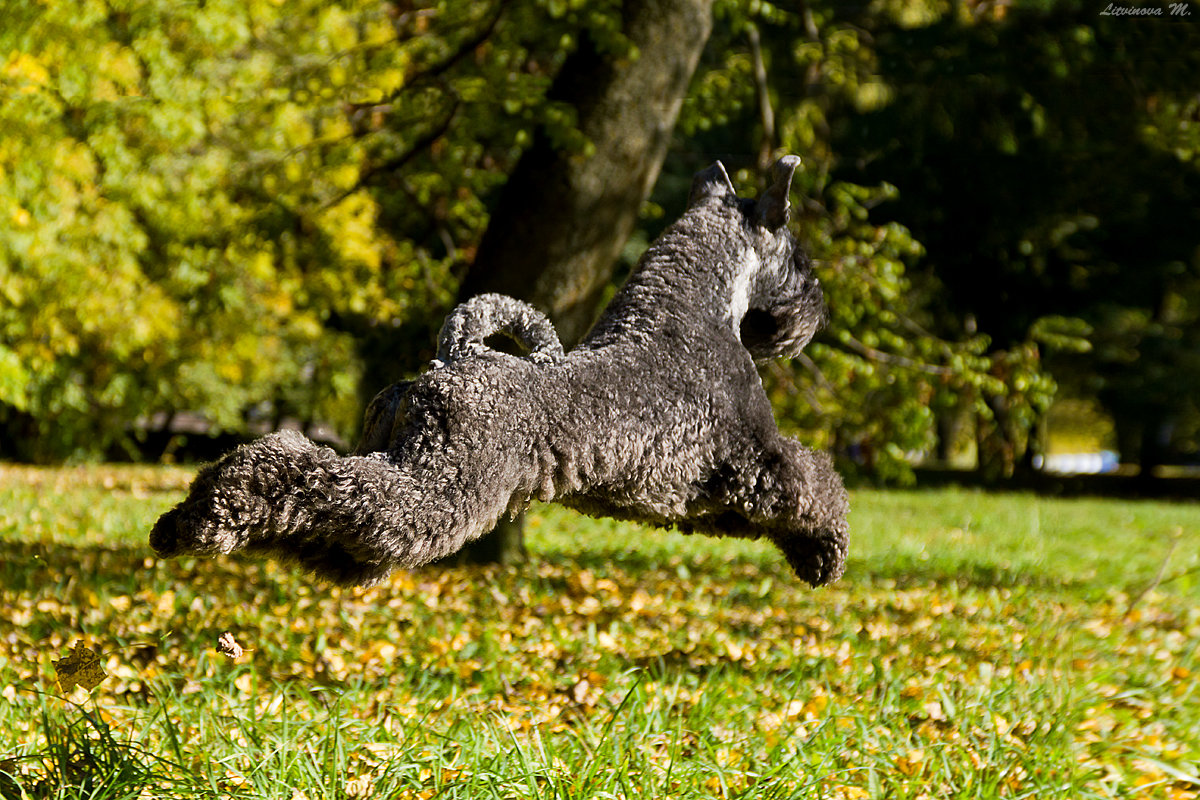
(817, 559)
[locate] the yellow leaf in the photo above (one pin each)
(166, 603)
(228, 646)
(581, 692)
(360, 786)
(81, 667)
(910, 763)
(733, 650)
(851, 793)
(120, 65)
(23, 65)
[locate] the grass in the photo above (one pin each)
(979, 646)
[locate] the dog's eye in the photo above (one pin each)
(758, 328)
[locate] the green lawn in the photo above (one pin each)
(980, 645)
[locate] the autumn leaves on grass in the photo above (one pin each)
(83, 666)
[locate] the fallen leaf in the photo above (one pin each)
(228, 646)
(81, 667)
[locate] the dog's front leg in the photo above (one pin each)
(806, 503)
(792, 496)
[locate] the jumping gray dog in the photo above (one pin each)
(659, 416)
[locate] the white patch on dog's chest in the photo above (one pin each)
(739, 301)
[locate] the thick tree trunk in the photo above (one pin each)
(563, 218)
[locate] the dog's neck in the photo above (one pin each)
(683, 276)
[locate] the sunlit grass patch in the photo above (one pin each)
(979, 646)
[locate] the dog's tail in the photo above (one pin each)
(469, 324)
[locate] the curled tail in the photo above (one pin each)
(469, 324)
(462, 335)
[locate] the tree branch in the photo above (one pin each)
(884, 357)
(394, 163)
(810, 365)
(433, 72)
(1176, 535)
(766, 113)
(782, 376)
(465, 48)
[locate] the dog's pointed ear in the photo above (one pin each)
(773, 206)
(711, 182)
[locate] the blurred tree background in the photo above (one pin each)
(254, 211)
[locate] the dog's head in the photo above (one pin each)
(230, 501)
(775, 300)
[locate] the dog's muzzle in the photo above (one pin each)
(164, 537)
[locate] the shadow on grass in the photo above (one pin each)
(902, 572)
(907, 572)
(40, 567)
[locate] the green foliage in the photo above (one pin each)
(209, 208)
(980, 646)
(981, 207)
(135, 277)
(875, 384)
(258, 210)
(1046, 157)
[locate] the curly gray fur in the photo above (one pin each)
(467, 326)
(659, 416)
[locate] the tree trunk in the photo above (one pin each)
(562, 218)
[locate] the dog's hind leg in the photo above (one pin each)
(384, 416)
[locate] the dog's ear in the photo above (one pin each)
(773, 206)
(711, 182)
